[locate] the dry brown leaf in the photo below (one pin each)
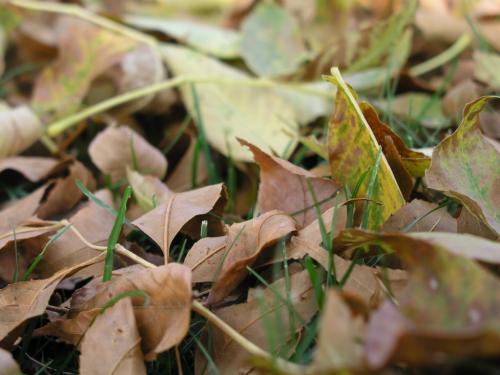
(95, 224)
(162, 324)
(8, 365)
(205, 258)
(437, 221)
(19, 129)
(116, 148)
(26, 299)
(468, 223)
(283, 186)
(32, 168)
(164, 222)
(248, 319)
(112, 344)
(245, 242)
(149, 191)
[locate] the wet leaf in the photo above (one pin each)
(271, 43)
(112, 343)
(116, 148)
(245, 242)
(283, 186)
(465, 167)
(183, 210)
(352, 150)
(20, 127)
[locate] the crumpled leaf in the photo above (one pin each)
(116, 148)
(443, 313)
(85, 51)
(283, 186)
(245, 242)
(162, 323)
(8, 365)
(271, 44)
(165, 221)
(352, 150)
(20, 127)
(216, 41)
(249, 320)
(465, 167)
(31, 167)
(419, 213)
(259, 115)
(26, 299)
(111, 345)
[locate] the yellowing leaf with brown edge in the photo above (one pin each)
(8, 365)
(112, 344)
(116, 148)
(353, 150)
(26, 299)
(249, 318)
(162, 323)
(283, 186)
(85, 51)
(245, 242)
(466, 166)
(183, 211)
(19, 129)
(448, 309)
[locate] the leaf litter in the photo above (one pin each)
(286, 215)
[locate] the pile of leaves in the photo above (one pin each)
(191, 187)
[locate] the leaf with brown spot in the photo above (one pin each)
(466, 167)
(420, 213)
(353, 150)
(283, 186)
(116, 148)
(245, 242)
(249, 320)
(162, 323)
(112, 344)
(183, 211)
(27, 299)
(19, 129)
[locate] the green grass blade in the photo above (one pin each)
(129, 293)
(369, 190)
(315, 280)
(115, 234)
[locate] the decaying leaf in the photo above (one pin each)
(162, 323)
(271, 44)
(24, 300)
(252, 318)
(244, 244)
(284, 186)
(183, 210)
(19, 129)
(85, 51)
(466, 167)
(116, 148)
(112, 344)
(8, 365)
(352, 151)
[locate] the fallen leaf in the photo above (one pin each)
(205, 258)
(111, 345)
(468, 223)
(352, 150)
(486, 69)
(419, 213)
(249, 320)
(164, 222)
(149, 191)
(85, 51)
(465, 167)
(8, 365)
(283, 186)
(216, 41)
(271, 44)
(19, 129)
(162, 323)
(26, 299)
(259, 115)
(116, 148)
(32, 168)
(245, 242)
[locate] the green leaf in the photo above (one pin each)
(466, 166)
